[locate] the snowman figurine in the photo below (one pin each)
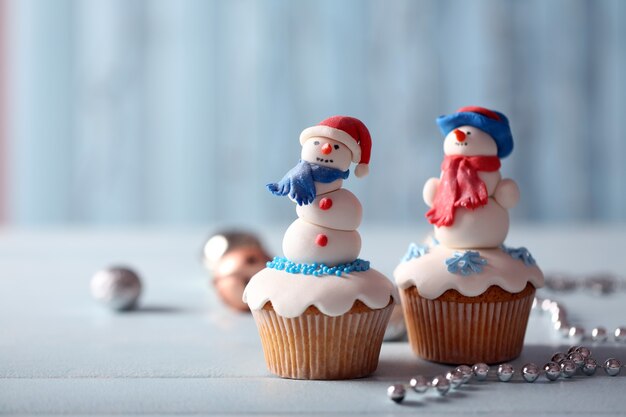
(469, 202)
(320, 310)
(466, 296)
(328, 215)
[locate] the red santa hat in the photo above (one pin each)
(349, 131)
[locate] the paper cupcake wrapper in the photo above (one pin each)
(316, 346)
(466, 332)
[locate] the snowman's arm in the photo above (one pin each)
(506, 193)
(430, 189)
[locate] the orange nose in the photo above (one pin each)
(460, 135)
(327, 148)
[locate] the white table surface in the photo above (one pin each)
(184, 353)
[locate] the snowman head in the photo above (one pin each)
(469, 141)
(327, 152)
(476, 130)
(348, 139)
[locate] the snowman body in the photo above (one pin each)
(339, 209)
(309, 243)
(326, 229)
(485, 226)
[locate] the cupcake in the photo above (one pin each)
(320, 327)
(467, 297)
(320, 310)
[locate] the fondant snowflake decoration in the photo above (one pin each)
(520, 253)
(415, 251)
(466, 263)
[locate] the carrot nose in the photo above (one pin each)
(460, 135)
(327, 148)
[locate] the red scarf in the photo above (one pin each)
(460, 186)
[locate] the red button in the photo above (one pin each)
(321, 240)
(326, 203)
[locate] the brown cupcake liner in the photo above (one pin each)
(316, 346)
(457, 329)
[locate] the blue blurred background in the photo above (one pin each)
(178, 112)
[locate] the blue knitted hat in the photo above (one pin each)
(491, 122)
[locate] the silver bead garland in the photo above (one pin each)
(466, 371)
(598, 284)
(480, 371)
(575, 334)
(552, 370)
(396, 393)
(441, 384)
(419, 384)
(561, 365)
(599, 334)
(568, 368)
(505, 372)
(530, 372)
(590, 366)
(455, 377)
(612, 366)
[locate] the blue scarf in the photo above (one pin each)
(299, 181)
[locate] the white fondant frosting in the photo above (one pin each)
(483, 227)
(431, 277)
(338, 209)
(507, 193)
(299, 244)
(291, 294)
(491, 180)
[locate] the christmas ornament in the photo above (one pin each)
(116, 287)
(233, 257)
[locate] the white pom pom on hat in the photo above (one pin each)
(347, 130)
(362, 170)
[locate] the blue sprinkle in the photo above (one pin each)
(317, 269)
